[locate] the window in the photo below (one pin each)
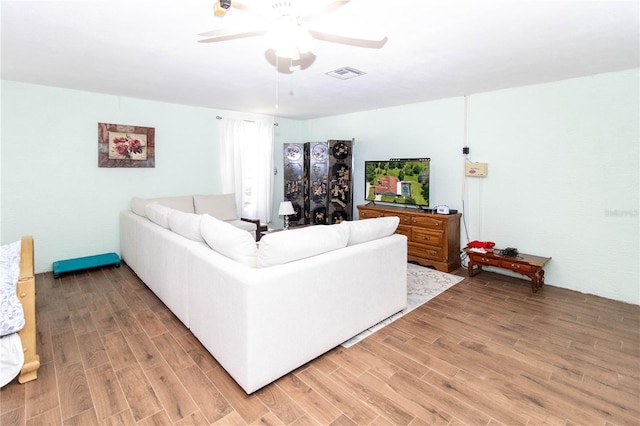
(247, 166)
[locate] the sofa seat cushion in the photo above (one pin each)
(361, 231)
(220, 206)
(232, 242)
(281, 247)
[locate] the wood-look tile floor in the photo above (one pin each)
(485, 352)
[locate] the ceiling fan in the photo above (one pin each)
(290, 26)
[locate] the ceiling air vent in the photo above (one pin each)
(346, 73)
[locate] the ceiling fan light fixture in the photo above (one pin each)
(304, 41)
(288, 38)
(288, 53)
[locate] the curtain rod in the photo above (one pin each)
(248, 121)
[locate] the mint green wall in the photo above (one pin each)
(563, 171)
(431, 129)
(563, 168)
(51, 185)
(564, 157)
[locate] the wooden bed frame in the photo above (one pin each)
(26, 290)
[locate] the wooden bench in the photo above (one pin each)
(525, 264)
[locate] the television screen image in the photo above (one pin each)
(398, 181)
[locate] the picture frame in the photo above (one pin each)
(121, 145)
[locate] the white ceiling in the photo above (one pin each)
(436, 49)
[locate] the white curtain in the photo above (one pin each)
(247, 166)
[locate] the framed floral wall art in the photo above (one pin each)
(120, 145)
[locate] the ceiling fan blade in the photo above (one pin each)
(323, 10)
(231, 34)
(372, 42)
(236, 4)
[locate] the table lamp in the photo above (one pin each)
(286, 209)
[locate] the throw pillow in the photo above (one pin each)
(221, 206)
(186, 224)
(158, 213)
(287, 246)
(361, 231)
(229, 241)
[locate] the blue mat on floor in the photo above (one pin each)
(80, 263)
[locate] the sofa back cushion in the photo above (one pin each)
(158, 213)
(232, 242)
(186, 224)
(182, 203)
(361, 231)
(138, 206)
(287, 246)
(220, 206)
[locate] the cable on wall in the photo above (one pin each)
(277, 79)
(465, 137)
(466, 123)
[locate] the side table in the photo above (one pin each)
(525, 264)
(269, 231)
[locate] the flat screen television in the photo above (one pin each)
(398, 181)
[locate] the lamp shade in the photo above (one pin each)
(286, 208)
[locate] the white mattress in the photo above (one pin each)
(11, 357)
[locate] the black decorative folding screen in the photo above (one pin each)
(318, 181)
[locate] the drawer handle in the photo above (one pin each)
(426, 237)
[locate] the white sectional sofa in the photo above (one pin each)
(264, 309)
(220, 206)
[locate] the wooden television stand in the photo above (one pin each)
(433, 240)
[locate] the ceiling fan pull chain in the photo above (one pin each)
(276, 82)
